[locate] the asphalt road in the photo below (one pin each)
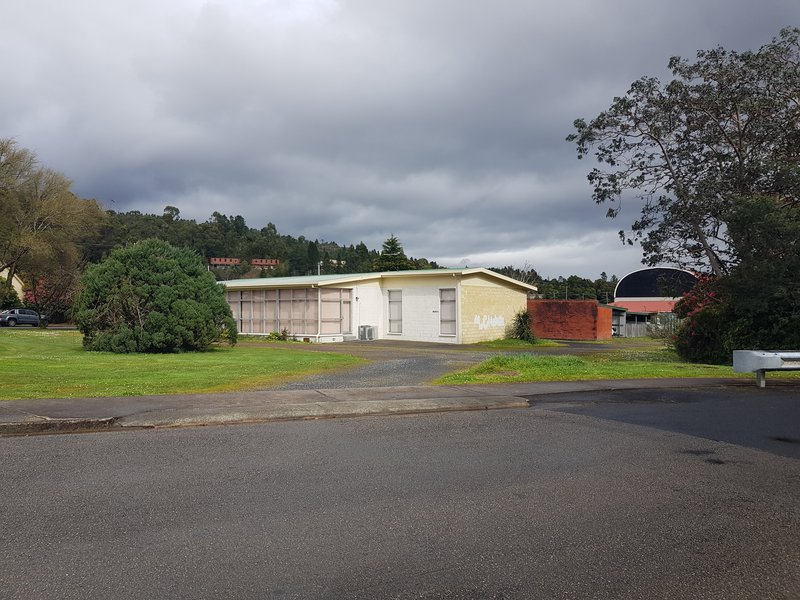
(557, 501)
(767, 419)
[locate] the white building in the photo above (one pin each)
(458, 306)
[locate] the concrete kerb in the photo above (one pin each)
(320, 410)
(28, 417)
(58, 426)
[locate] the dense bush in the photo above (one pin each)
(721, 323)
(521, 327)
(757, 304)
(700, 336)
(152, 297)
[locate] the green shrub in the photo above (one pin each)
(700, 338)
(152, 297)
(279, 336)
(757, 304)
(521, 327)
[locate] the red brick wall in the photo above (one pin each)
(570, 319)
(604, 322)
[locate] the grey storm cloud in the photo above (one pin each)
(440, 121)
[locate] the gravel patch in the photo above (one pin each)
(418, 370)
(408, 363)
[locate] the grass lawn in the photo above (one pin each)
(643, 360)
(44, 363)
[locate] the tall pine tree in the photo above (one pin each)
(392, 257)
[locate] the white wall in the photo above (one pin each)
(368, 309)
(420, 308)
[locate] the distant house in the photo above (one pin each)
(438, 305)
(16, 282)
(265, 263)
(259, 263)
(224, 263)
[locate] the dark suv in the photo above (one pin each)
(22, 316)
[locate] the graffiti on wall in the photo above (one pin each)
(489, 322)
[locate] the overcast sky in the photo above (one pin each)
(441, 121)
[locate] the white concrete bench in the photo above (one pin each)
(761, 361)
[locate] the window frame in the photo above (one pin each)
(454, 320)
(297, 310)
(398, 301)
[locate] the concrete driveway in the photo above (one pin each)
(400, 363)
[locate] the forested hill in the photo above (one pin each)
(230, 236)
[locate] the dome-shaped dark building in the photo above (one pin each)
(657, 284)
(646, 293)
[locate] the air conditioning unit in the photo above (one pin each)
(366, 332)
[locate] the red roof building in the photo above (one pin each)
(265, 263)
(653, 290)
(649, 297)
(224, 262)
(646, 306)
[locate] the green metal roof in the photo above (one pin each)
(323, 280)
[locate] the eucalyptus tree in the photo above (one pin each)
(726, 128)
(45, 229)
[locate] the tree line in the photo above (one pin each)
(572, 287)
(49, 235)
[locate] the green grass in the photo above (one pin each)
(41, 363)
(635, 363)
